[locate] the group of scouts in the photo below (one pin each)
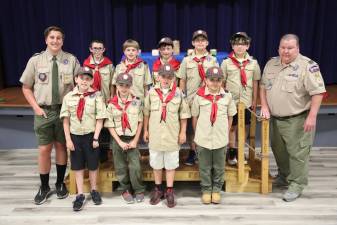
(193, 101)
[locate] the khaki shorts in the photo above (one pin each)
(50, 129)
(161, 159)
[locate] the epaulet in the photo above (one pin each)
(69, 53)
(311, 61)
(38, 53)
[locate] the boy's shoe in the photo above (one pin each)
(231, 156)
(290, 196)
(61, 190)
(127, 197)
(191, 159)
(42, 195)
(216, 197)
(79, 202)
(96, 197)
(139, 197)
(206, 198)
(156, 197)
(169, 195)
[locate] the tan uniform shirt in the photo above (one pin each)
(289, 87)
(232, 78)
(155, 74)
(206, 135)
(141, 77)
(94, 109)
(38, 75)
(134, 112)
(163, 136)
(189, 71)
(106, 79)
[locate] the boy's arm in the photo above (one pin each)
(114, 134)
(230, 121)
(98, 128)
(134, 142)
(66, 128)
(182, 133)
(181, 75)
(146, 128)
(255, 88)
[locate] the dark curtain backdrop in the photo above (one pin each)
(23, 23)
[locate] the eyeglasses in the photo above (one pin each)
(97, 48)
(85, 77)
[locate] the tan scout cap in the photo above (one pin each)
(199, 33)
(166, 70)
(214, 72)
(124, 78)
(165, 41)
(85, 71)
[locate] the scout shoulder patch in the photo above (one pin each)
(314, 68)
(38, 53)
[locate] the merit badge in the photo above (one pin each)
(42, 77)
(65, 62)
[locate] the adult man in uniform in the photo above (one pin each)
(46, 79)
(291, 94)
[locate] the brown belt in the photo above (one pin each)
(52, 107)
(288, 117)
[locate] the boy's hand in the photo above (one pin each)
(265, 112)
(132, 144)
(146, 136)
(124, 145)
(182, 138)
(70, 145)
(95, 144)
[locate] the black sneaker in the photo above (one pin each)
(42, 195)
(96, 197)
(61, 190)
(79, 202)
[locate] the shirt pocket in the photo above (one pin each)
(155, 105)
(174, 105)
(90, 107)
(72, 106)
(223, 107)
(191, 68)
(42, 75)
(289, 84)
(105, 73)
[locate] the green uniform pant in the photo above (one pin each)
(211, 168)
(291, 147)
(49, 129)
(127, 167)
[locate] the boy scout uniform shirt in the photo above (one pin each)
(206, 135)
(38, 75)
(289, 87)
(232, 78)
(94, 109)
(106, 75)
(134, 113)
(141, 77)
(189, 71)
(163, 136)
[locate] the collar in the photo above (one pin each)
(76, 91)
(130, 97)
(221, 92)
(199, 56)
(157, 85)
(50, 56)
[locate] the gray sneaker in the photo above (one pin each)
(139, 197)
(127, 197)
(280, 182)
(290, 196)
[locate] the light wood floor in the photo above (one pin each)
(318, 204)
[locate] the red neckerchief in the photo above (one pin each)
(169, 97)
(200, 67)
(213, 99)
(97, 75)
(133, 65)
(173, 62)
(241, 66)
(81, 104)
(125, 120)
